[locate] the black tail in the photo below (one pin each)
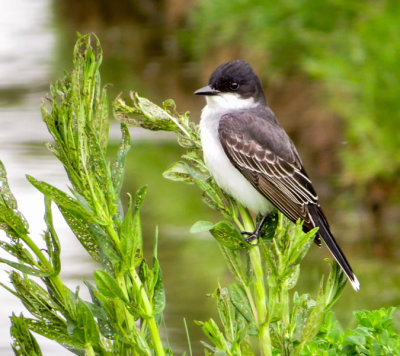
(318, 219)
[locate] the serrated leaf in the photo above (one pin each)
(246, 349)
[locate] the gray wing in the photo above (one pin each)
(261, 150)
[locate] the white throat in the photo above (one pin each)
(229, 101)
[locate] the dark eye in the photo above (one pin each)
(234, 86)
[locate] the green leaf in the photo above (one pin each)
(241, 302)
(226, 234)
(201, 226)
(88, 234)
(57, 332)
(26, 269)
(127, 235)
(51, 238)
(87, 322)
(140, 195)
(24, 342)
(118, 167)
(64, 201)
(178, 172)
(17, 250)
(108, 286)
(355, 339)
(100, 311)
(159, 300)
(35, 298)
(213, 333)
(131, 231)
(6, 196)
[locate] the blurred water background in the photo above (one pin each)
(339, 108)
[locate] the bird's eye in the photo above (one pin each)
(234, 86)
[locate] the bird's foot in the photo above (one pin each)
(256, 233)
(251, 236)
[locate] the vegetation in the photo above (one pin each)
(349, 46)
(260, 312)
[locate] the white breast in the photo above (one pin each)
(222, 170)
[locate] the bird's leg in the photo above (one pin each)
(256, 233)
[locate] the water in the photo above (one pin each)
(30, 58)
(27, 56)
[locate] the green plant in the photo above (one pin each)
(259, 303)
(259, 312)
(128, 295)
(374, 334)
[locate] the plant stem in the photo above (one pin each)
(55, 279)
(260, 295)
(36, 250)
(155, 335)
(89, 350)
(284, 299)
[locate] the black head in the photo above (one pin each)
(234, 77)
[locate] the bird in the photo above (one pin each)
(251, 157)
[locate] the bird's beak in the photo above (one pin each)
(207, 90)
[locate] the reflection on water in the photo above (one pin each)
(191, 265)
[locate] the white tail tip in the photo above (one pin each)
(355, 283)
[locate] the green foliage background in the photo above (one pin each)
(127, 300)
(351, 47)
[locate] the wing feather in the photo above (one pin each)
(260, 149)
(283, 181)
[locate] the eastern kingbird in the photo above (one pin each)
(252, 158)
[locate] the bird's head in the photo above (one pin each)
(233, 84)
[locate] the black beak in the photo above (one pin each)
(207, 90)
